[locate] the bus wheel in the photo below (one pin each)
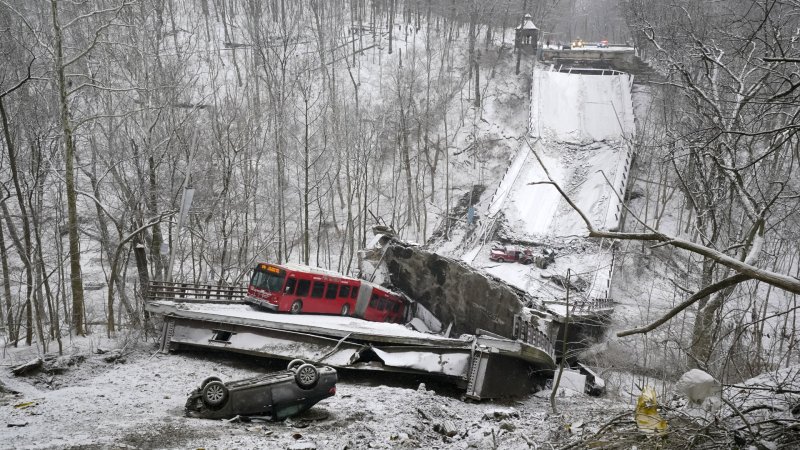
(346, 310)
(296, 307)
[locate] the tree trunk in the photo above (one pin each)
(306, 188)
(473, 21)
(477, 80)
(152, 206)
(391, 24)
(12, 335)
(76, 279)
(25, 251)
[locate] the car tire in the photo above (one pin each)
(296, 307)
(215, 394)
(346, 309)
(294, 364)
(306, 376)
(208, 380)
(526, 261)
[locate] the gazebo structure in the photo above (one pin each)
(527, 34)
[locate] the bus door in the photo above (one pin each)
(362, 301)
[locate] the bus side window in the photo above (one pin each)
(373, 301)
(302, 288)
(396, 307)
(354, 292)
(381, 304)
(318, 289)
(290, 284)
(344, 291)
(331, 291)
(256, 280)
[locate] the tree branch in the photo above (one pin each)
(785, 282)
(775, 59)
(702, 293)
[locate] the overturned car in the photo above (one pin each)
(277, 395)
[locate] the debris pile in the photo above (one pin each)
(454, 292)
(49, 364)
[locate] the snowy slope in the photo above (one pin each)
(579, 124)
(571, 107)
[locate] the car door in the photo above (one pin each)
(253, 400)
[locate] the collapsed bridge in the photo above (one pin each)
(484, 364)
(496, 323)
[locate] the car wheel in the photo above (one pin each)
(297, 306)
(208, 380)
(526, 261)
(294, 364)
(215, 394)
(306, 376)
(346, 309)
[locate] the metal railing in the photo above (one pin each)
(163, 290)
(592, 305)
(541, 341)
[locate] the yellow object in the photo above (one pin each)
(647, 418)
(25, 405)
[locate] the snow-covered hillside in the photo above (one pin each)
(579, 124)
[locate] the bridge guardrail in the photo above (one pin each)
(163, 290)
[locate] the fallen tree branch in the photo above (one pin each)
(784, 282)
(28, 367)
(741, 416)
(702, 293)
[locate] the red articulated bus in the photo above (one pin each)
(301, 289)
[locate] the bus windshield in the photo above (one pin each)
(267, 281)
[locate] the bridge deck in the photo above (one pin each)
(480, 363)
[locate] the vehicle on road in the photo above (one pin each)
(275, 396)
(299, 289)
(511, 253)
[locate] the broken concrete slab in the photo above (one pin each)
(446, 427)
(571, 379)
(474, 362)
(454, 292)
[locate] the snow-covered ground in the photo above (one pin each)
(571, 107)
(139, 404)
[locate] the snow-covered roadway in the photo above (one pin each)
(580, 122)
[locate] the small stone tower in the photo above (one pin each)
(527, 35)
